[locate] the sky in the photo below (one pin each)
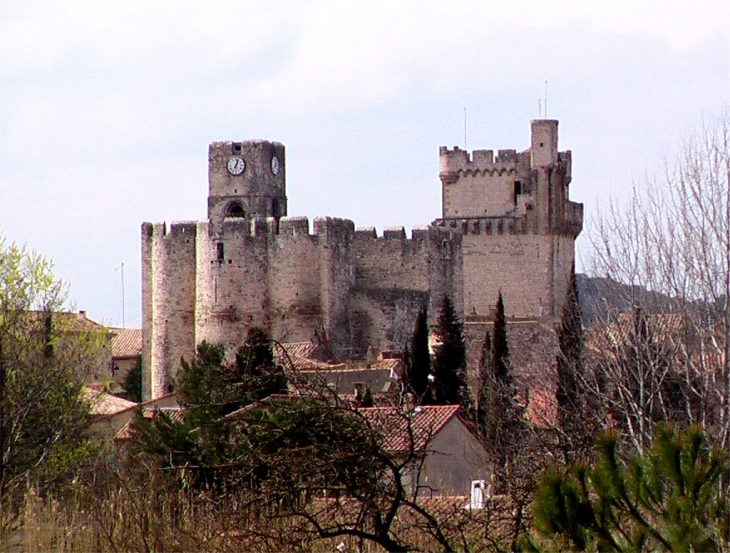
(107, 108)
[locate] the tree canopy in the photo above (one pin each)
(45, 354)
(210, 388)
(669, 498)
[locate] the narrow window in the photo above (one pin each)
(517, 191)
(219, 252)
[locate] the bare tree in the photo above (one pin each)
(670, 358)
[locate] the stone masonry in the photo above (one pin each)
(506, 224)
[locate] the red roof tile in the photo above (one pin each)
(394, 365)
(126, 342)
(303, 349)
(402, 430)
(176, 414)
(106, 404)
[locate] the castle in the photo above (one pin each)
(506, 225)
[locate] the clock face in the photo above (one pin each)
(236, 165)
(275, 165)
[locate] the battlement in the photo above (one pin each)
(177, 229)
(267, 227)
(573, 224)
(457, 162)
(486, 225)
(326, 227)
(293, 226)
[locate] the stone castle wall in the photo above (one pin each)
(506, 225)
(360, 289)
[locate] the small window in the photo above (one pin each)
(517, 191)
(219, 251)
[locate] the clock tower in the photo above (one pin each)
(246, 180)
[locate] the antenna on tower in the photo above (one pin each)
(546, 99)
(539, 108)
(465, 129)
(122, 274)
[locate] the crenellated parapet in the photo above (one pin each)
(486, 226)
(573, 221)
(457, 162)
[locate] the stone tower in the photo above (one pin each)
(246, 180)
(518, 226)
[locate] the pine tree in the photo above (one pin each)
(210, 388)
(255, 375)
(201, 383)
(570, 393)
(197, 439)
(669, 498)
(449, 363)
(417, 367)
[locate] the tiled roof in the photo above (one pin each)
(623, 330)
(302, 349)
(64, 321)
(106, 404)
(402, 430)
(126, 342)
(176, 414)
(393, 365)
(542, 408)
(299, 356)
(305, 364)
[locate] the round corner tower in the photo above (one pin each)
(246, 180)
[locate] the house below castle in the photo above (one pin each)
(506, 224)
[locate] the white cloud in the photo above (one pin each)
(108, 107)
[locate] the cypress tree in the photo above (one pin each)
(367, 398)
(485, 416)
(503, 425)
(570, 394)
(449, 363)
(418, 361)
(500, 347)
